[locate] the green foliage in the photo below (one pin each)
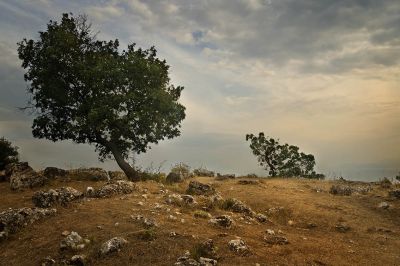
(398, 177)
(282, 159)
(8, 153)
(89, 91)
(228, 204)
(148, 234)
(201, 214)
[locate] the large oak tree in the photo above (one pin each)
(89, 91)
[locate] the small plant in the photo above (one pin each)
(228, 204)
(148, 234)
(398, 177)
(8, 153)
(385, 183)
(201, 214)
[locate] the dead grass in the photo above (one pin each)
(96, 219)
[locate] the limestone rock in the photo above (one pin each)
(275, 240)
(239, 247)
(112, 245)
(63, 196)
(222, 221)
(198, 188)
(92, 174)
(23, 176)
(73, 241)
(12, 220)
(207, 262)
(54, 172)
(114, 188)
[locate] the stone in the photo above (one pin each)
(342, 228)
(342, 190)
(48, 261)
(270, 232)
(73, 241)
(65, 233)
(117, 175)
(54, 172)
(203, 172)
(185, 260)
(188, 199)
(63, 196)
(207, 262)
(174, 178)
(92, 174)
(222, 221)
(261, 218)
(208, 249)
(23, 176)
(175, 199)
(239, 247)
(248, 182)
(114, 188)
(78, 260)
(197, 188)
(112, 245)
(149, 222)
(395, 193)
(90, 192)
(384, 205)
(236, 205)
(276, 240)
(13, 220)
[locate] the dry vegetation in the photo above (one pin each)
(303, 210)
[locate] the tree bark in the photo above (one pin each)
(129, 171)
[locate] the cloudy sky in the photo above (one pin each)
(323, 75)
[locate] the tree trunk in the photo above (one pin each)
(129, 171)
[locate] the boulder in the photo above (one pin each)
(273, 239)
(73, 241)
(112, 245)
(53, 172)
(198, 188)
(222, 221)
(117, 175)
(78, 260)
(342, 228)
(174, 178)
(203, 172)
(188, 199)
(342, 190)
(23, 176)
(207, 262)
(384, 205)
(395, 193)
(92, 174)
(236, 205)
(114, 188)
(63, 196)
(261, 218)
(185, 260)
(239, 247)
(13, 220)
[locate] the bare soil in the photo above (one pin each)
(373, 238)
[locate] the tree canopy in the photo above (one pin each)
(8, 153)
(281, 159)
(89, 91)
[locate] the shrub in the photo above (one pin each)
(201, 214)
(203, 172)
(181, 169)
(385, 183)
(8, 153)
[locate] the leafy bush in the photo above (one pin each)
(282, 159)
(8, 153)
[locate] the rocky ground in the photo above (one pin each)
(55, 218)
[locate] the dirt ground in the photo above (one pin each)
(307, 218)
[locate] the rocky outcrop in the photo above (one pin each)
(117, 175)
(239, 246)
(114, 188)
(395, 193)
(222, 221)
(73, 241)
(63, 196)
(23, 176)
(112, 245)
(92, 174)
(54, 172)
(13, 220)
(197, 188)
(236, 205)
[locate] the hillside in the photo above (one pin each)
(306, 225)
